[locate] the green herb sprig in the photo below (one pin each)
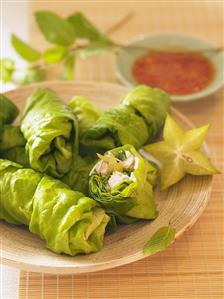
(162, 238)
(70, 38)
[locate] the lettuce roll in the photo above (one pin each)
(122, 182)
(85, 111)
(12, 145)
(136, 121)
(12, 142)
(152, 104)
(50, 129)
(115, 127)
(78, 176)
(8, 110)
(68, 221)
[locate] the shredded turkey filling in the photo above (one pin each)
(117, 169)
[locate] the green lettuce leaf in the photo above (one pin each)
(12, 145)
(65, 219)
(162, 238)
(51, 131)
(16, 154)
(112, 225)
(8, 110)
(115, 127)
(135, 121)
(78, 176)
(85, 111)
(17, 188)
(152, 104)
(131, 198)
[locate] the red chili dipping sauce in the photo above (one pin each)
(177, 73)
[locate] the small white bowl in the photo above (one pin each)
(127, 57)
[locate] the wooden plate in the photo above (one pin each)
(180, 206)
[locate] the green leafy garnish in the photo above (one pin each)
(7, 68)
(32, 75)
(180, 153)
(55, 29)
(85, 29)
(69, 66)
(162, 238)
(95, 48)
(121, 155)
(24, 50)
(55, 55)
(72, 37)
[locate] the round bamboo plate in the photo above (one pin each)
(180, 206)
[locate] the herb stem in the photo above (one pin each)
(120, 24)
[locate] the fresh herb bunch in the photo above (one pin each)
(71, 37)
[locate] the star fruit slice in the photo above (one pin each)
(180, 153)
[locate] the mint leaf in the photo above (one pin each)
(55, 55)
(7, 68)
(160, 240)
(95, 49)
(69, 66)
(32, 75)
(55, 29)
(84, 28)
(24, 50)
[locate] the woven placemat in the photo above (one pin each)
(193, 266)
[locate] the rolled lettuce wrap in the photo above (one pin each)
(78, 176)
(152, 104)
(68, 221)
(8, 110)
(122, 182)
(85, 111)
(12, 142)
(17, 188)
(12, 145)
(51, 131)
(136, 121)
(115, 127)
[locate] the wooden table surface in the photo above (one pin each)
(193, 266)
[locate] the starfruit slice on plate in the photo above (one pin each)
(180, 153)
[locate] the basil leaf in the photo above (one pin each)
(55, 29)
(84, 28)
(55, 55)
(95, 49)
(160, 240)
(24, 50)
(32, 75)
(7, 68)
(69, 66)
